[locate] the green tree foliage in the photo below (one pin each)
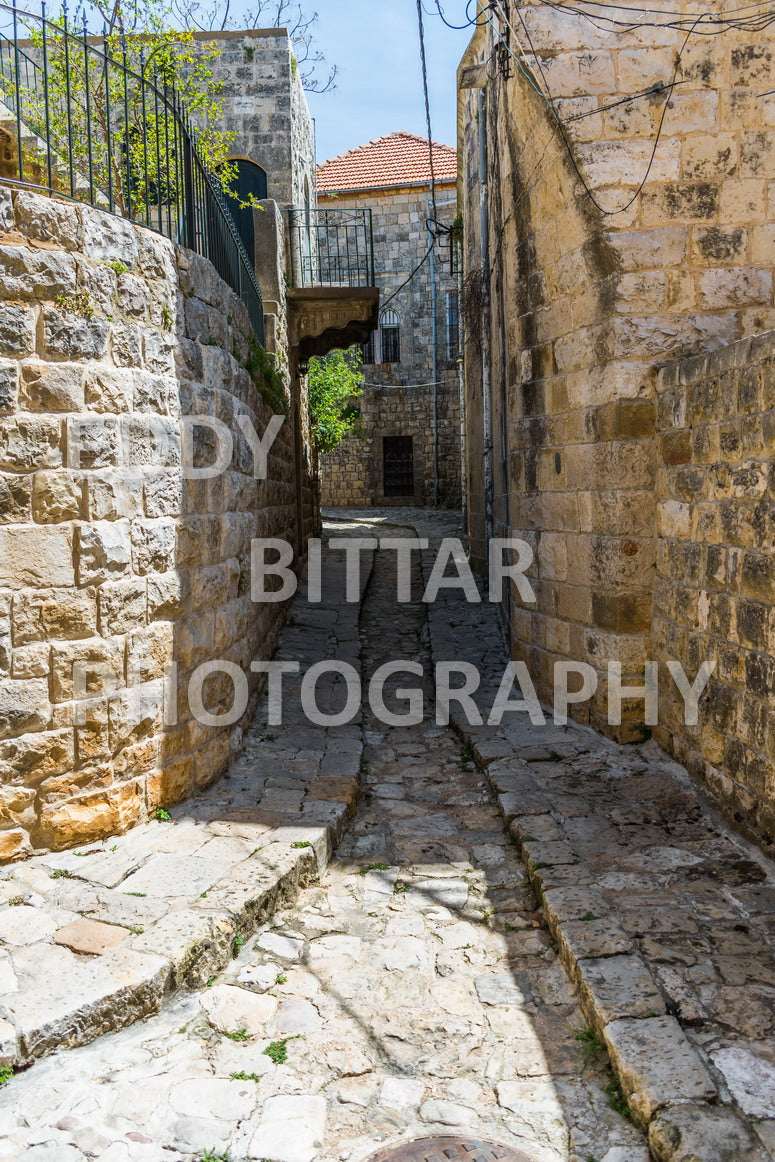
(308, 62)
(334, 383)
(126, 89)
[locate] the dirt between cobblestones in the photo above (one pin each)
(415, 988)
(412, 991)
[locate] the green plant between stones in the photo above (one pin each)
(78, 303)
(237, 1035)
(277, 1051)
(266, 376)
(591, 1045)
(616, 1099)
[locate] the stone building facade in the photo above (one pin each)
(114, 567)
(126, 566)
(618, 218)
(264, 105)
(409, 451)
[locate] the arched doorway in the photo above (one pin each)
(250, 182)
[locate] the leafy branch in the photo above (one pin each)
(334, 383)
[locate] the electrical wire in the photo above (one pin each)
(549, 100)
(383, 386)
(756, 17)
(752, 18)
(426, 95)
(759, 17)
(469, 23)
(449, 24)
(654, 91)
(435, 228)
(406, 281)
(678, 13)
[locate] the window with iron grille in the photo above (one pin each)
(455, 256)
(390, 337)
(453, 324)
(369, 349)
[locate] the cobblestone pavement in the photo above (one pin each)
(94, 938)
(664, 916)
(412, 991)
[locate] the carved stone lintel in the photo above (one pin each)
(323, 318)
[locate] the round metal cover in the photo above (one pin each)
(449, 1150)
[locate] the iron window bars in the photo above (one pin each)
(99, 126)
(331, 247)
(390, 337)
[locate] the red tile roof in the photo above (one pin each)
(400, 159)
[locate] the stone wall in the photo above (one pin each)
(715, 577)
(353, 474)
(110, 561)
(398, 397)
(265, 106)
(587, 287)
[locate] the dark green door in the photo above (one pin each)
(251, 180)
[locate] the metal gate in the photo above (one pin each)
(397, 466)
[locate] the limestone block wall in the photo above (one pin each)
(265, 106)
(353, 473)
(715, 577)
(113, 566)
(601, 265)
(399, 397)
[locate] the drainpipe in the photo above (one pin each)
(461, 386)
(435, 331)
(484, 231)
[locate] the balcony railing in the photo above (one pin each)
(84, 119)
(331, 248)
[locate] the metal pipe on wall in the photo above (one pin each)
(484, 232)
(435, 341)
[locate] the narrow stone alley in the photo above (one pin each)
(465, 854)
(413, 991)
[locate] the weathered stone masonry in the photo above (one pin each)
(399, 397)
(117, 563)
(265, 107)
(565, 336)
(715, 582)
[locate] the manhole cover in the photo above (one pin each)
(449, 1150)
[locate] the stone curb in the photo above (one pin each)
(192, 942)
(679, 1108)
(184, 949)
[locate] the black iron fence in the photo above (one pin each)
(331, 247)
(88, 118)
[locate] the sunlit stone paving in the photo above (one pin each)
(413, 991)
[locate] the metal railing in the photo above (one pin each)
(331, 247)
(87, 118)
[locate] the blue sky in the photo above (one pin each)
(379, 88)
